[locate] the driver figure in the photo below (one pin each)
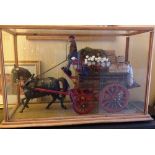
(73, 54)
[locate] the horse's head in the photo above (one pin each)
(20, 73)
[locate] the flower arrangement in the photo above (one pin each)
(97, 63)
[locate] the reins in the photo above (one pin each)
(55, 65)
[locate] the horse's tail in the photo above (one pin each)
(63, 84)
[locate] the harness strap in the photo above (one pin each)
(51, 91)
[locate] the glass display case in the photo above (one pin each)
(67, 75)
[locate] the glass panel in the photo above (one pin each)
(11, 87)
(96, 80)
(138, 58)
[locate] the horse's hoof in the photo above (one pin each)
(47, 108)
(27, 106)
(21, 111)
(64, 107)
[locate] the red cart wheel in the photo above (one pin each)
(114, 97)
(82, 101)
(83, 107)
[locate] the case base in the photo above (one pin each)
(74, 120)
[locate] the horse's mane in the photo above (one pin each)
(24, 72)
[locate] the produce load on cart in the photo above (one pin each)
(97, 62)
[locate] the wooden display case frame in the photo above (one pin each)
(129, 31)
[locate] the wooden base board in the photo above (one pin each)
(9, 106)
(74, 120)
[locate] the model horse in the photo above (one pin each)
(31, 82)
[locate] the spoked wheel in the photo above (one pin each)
(82, 101)
(82, 106)
(114, 97)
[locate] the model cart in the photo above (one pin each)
(100, 83)
(103, 83)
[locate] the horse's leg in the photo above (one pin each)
(22, 102)
(53, 100)
(61, 99)
(25, 105)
